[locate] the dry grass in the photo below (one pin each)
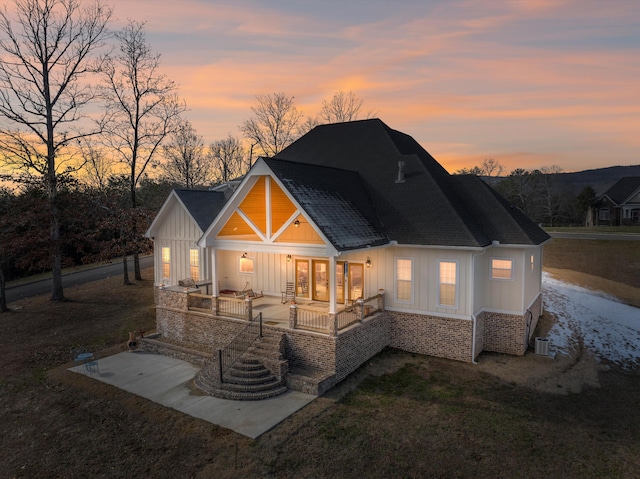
(400, 415)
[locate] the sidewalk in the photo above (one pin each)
(165, 381)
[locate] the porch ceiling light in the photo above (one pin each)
(368, 262)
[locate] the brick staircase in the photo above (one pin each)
(258, 374)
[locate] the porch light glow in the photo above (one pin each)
(296, 223)
(368, 262)
(288, 258)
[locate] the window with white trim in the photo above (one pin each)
(404, 279)
(194, 264)
(166, 262)
(603, 214)
(448, 280)
(501, 268)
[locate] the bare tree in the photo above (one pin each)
(342, 107)
(185, 161)
(309, 124)
(98, 166)
(274, 124)
(46, 53)
(491, 167)
(227, 159)
(141, 106)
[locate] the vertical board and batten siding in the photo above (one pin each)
(269, 276)
(532, 277)
(180, 233)
(505, 295)
(425, 277)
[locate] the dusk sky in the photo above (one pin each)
(529, 83)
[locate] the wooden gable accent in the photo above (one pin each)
(303, 233)
(238, 227)
(254, 204)
(281, 207)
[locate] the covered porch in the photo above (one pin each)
(276, 311)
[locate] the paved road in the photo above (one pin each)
(597, 236)
(72, 279)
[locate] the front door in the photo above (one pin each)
(320, 280)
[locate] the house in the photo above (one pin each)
(377, 243)
(620, 204)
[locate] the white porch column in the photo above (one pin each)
(214, 273)
(332, 282)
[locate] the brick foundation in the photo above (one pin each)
(432, 335)
(509, 333)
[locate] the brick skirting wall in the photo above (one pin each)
(432, 335)
(510, 333)
(356, 345)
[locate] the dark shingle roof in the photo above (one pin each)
(202, 205)
(427, 208)
(623, 189)
(335, 200)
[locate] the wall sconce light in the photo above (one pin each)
(288, 258)
(244, 255)
(368, 263)
(296, 223)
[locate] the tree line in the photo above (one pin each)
(539, 193)
(84, 172)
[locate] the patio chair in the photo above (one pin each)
(289, 294)
(91, 366)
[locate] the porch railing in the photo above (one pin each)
(233, 307)
(230, 354)
(311, 319)
(347, 317)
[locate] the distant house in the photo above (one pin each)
(367, 240)
(620, 204)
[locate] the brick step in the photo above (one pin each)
(231, 378)
(246, 396)
(243, 373)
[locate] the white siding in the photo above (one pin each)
(179, 233)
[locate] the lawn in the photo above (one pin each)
(400, 415)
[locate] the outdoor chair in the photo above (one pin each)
(289, 294)
(91, 366)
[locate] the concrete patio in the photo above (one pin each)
(166, 381)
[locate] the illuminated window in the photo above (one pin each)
(166, 262)
(246, 265)
(501, 268)
(532, 262)
(448, 282)
(404, 279)
(194, 264)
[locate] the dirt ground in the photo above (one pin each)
(540, 412)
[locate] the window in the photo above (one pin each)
(194, 264)
(404, 279)
(603, 214)
(246, 265)
(448, 283)
(501, 268)
(166, 262)
(532, 262)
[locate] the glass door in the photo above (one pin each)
(356, 281)
(340, 282)
(320, 280)
(302, 278)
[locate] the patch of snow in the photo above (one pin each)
(608, 328)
